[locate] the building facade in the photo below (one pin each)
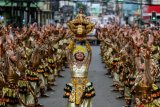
(23, 12)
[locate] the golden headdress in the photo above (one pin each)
(79, 48)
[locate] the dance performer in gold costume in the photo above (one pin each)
(80, 91)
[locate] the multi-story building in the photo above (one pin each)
(126, 10)
(45, 13)
(155, 2)
(22, 12)
(19, 11)
(67, 11)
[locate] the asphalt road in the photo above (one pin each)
(104, 96)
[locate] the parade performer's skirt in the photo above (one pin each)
(79, 92)
(2, 102)
(154, 103)
(86, 103)
(22, 86)
(10, 95)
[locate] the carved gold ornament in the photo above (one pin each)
(80, 26)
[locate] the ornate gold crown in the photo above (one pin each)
(80, 26)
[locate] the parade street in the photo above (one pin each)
(104, 96)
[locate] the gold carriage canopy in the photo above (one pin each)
(81, 26)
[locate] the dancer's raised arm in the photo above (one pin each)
(89, 50)
(69, 53)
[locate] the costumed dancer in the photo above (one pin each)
(80, 91)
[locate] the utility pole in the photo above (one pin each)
(28, 11)
(141, 12)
